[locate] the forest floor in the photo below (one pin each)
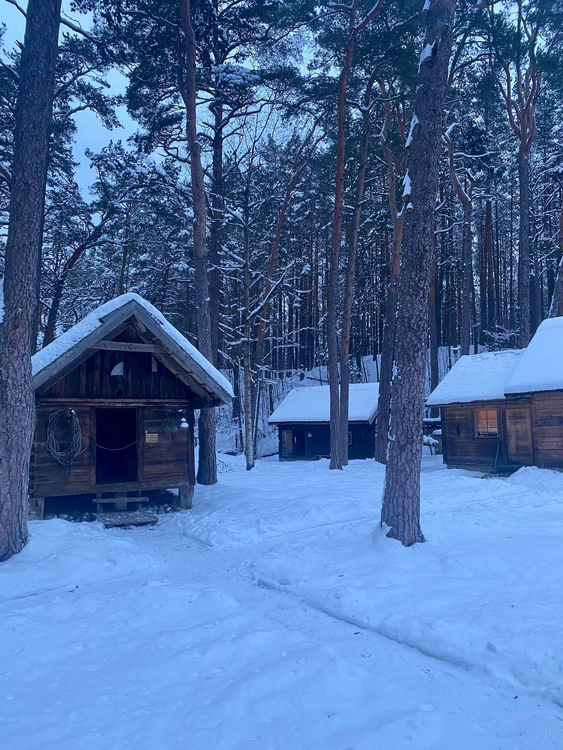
(275, 615)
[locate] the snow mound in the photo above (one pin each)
(482, 593)
(62, 555)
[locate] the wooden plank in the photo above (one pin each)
(120, 503)
(127, 519)
(186, 362)
(126, 346)
(81, 351)
(519, 435)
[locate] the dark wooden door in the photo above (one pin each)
(286, 443)
(299, 443)
(519, 436)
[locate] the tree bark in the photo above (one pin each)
(388, 345)
(433, 325)
(524, 248)
(556, 308)
(215, 230)
(207, 464)
(336, 440)
(336, 458)
(349, 288)
(18, 331)
(395, 167)
(466, 200)
(489, 256)
(50, 328)
(401, 495)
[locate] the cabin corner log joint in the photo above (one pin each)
(115, 401)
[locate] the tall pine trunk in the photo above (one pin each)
(556, 308)
(355, 27)
(207, 464)
(467, 278)
(215, 230)
(524, 247)
(388, 345)
(18, 331)
(349, 288)
(401, 495)
(336, 457)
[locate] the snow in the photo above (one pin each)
(94, 320)
(406, 186)
(541, 365)
(476, 377)
(312, 404)
(414, 122)
(427, 54)
(275, 615)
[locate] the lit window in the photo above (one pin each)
(487, 422)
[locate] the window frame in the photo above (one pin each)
(488, 436)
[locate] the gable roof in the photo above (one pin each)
(541, 366)
(476, 377)
(75, 345)
(303, 405)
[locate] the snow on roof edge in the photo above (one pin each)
(312, 404)
(69, 339)
(476, 377)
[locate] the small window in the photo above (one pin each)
(349, 437)
(486, 422)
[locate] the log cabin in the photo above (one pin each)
(303, 421)
(504, 410)
(115, 400)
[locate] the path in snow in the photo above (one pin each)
(165, 637)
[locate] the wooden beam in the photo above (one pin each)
(126, 346)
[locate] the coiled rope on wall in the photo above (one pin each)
(75, 444)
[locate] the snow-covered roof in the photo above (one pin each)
(476, 377)
(313, 404)
(541, 366)
(72, 344)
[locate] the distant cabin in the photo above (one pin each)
(303, 420)
(504, 409)
(115, 400)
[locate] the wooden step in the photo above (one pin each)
(127, 519)
(120, 503)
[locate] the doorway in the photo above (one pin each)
(116, 446)
(299, 443)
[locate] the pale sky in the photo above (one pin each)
(91, 133)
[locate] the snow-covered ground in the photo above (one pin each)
(274, 615)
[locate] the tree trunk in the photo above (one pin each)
(401, 496)
(207, 465)
(50, 328)
(215, 230)
(556, 308)
(388, 344)
(489, 248)
(21, 278)
(524, 248)
(336, 458)
(349, 290)
(467, 279)
(434, 368)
